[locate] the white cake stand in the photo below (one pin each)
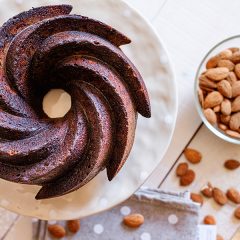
(152, 135)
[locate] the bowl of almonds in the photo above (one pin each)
(217, 88)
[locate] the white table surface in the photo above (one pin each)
(188, 28)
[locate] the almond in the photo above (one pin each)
(219, 196)
(233, 134)
(234, 49)
(231, 78)
(188, 178)
(226, 54)
(231, 164)
(73, 226)
(212, 62)
(225, 88)
(236, 57)
(201, 97)
(197, 198)
(192, 155)
(237, 70)
(237, 213)
(217, 74)
(233, 195)
(236, 89)
(133, 220)
(181, 169)
(226, 107)
(234, 123)
(210, 116)
(236, 104)
(205, 82)
(226, 63)
(219, 237)
(217, 109)
(209, 220)
(222, 126)
(57, 231)
(213, 99)
(207, 191)
(225, 119)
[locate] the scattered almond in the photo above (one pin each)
(236, 104)
(188, 178)
(225, 88)
(226, 107)
(73, 226)
(213, 99)
(237, 213)
(232, 164)
(207, 191)
(219, 196)
(181, 169)
(234, 123)
(57, 231)
(133, 220)
(217, 74)
(210, 115)
(233, 195)
(209, 220)
(192, 155)
(197, 198)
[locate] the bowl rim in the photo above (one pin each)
(218, 132)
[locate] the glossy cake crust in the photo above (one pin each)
(47, 48)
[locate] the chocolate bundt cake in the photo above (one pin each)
(47, 48)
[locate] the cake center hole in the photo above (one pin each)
(56, 103)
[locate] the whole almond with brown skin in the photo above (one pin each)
(226, 107)
(207, 192)
(205, 82)
(236, 57)
(234, 49)
(234, 123)
(73, 226)
(213, 99)
(219, 237)
(209, 220)
(225, 88)
(217, 74)
(237, 70)
(133, 220)
(225, 119)
(232, 164)
(212, 62)
(57, 231)
(192, 155)
(226, 63)
(236, 89)
(232, 133)
(210, 116)
(236, 104)
(188, 178)
(197, 198)
(233, 195)
(217, 109)
(219, 196)
(231, 78)
(222, 126)
(201, 97)
(226, 54)
(237, 213)
(181, 169)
